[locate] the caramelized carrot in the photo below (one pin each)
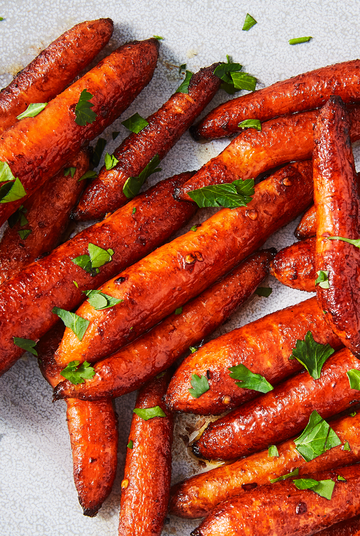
(349, 527)
(37, 147)
(53, 69)
(307, 225)
(181, 269)
(294, 266)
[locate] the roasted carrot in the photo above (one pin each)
(283, 510)
(46, 215)
(337, 205)
(294, 266)
(349, 527)
(263, 346)
(178, 271)
(53, 69)
(146, 484)
(303, 92)
(93, 433)
(307, 225)
(165, 127)
(281, 140)
(26, 300)
(198, 495)
(281, 413)
(37, 147)
(157, 349)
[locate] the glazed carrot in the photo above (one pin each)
(158, 284)
(303, 92)
(337, 205)
(294, 266)
(198, 495)
(53, 69)
(156, 350)
(281, 413)
(47, 214)
(307, 225)
(47, 141)
(165, 127)
(263, 346)
(93, 433)
(283, 510)
(349, 527)
(26, 300)
(281, 140)
(146, 484)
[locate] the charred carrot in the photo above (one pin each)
(26, 300)
(47, 141)
(93, 433)
(178, 271)
(263, 346)
(282, 509)
(349, 527)
(294, 266)
(164, 128)
(337, 205)
(53, 69)
(146, 484)
(156, 350)
(307, 225)
(284, 411)
(303, 92)
(281, 140)
(42, 219)
(198, 495)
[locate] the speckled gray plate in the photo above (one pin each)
(37, 494)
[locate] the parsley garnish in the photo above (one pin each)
(88, 175)
(76, 284)
(26, 344)
(133, 184)
(352, 414)
(184, 86)
(182, 68)
(24, 233)
(250, 123)
(19, 215)
(194, 228)
(322, 279)
(69, 171)
(135, 123)
(273, 451)
(316, 439)
(354, 242)
(130, 445)
(76, 323)
(158, 37)
(76, 373)
(263, 291)
(223, 71)
(12, 191)
(98, 151)
(298, 40)
(231, 195)
(354, 378)
(324, 488)
(346, 446)
(178, 311)
(200, 385)
(312, 355)
(149, 413)
(110, 161)
(97, 257)
(83, 111)
(249, 22)
(249, 380)
(295, 472)
(341, 478)
(5, 172)
(32, 110)
(192, 349)
(243, 81)
(101, 301)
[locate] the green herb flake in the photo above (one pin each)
(158, 37)
(312, 355)
(200, 385)
(98, 151)
(298, 40)
(182, 68)
(250, 123)
(101, 301)
(133, 210)
(243, 81)
(32, 110)
(354, 242)
(273, 451)
(26, 344)
(249, 22)
(24, 233)
(352, 414)
(12, 191)
(249, 380)
(346, 446)
(88, 175)
(194, 228)
(192, 349)
(130, 445)
(69, 171)
(161, 375)
(322, 279)
(149, 413)
(2, 18)
(316, 439)
(133, 184)
(76, 373)
(115, 135)
(341, 478)
(178, 311)
(232, 195)
(295, 472)
(77, 324)
(76, 284)
(224, 70)
(5, 172)
(324, 488)
(184, 86)
(18, 216)
(99, 256)
(354, 378)
(110, 161)
(135, 123)
(83, 111)
(263, 291)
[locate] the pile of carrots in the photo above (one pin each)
(133, 303)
